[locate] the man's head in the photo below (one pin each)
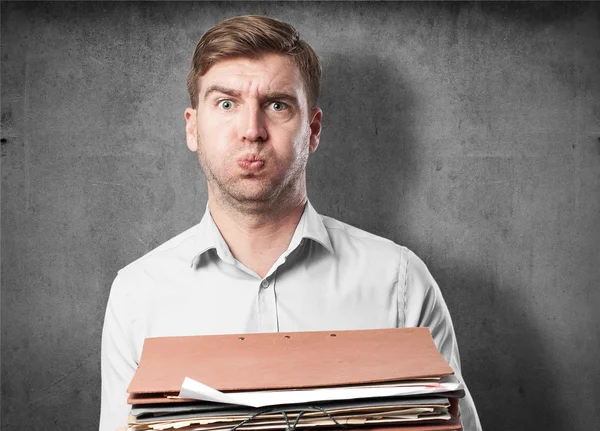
(252, 37)
(254, 120)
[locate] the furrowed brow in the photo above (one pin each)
(284, 97)
(220, 89)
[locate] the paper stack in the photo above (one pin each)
(376, 380)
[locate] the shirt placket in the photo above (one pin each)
(267, 305)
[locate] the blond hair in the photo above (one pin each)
(253, 36)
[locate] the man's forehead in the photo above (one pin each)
(267, 73)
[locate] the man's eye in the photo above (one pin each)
(226, 105)
(277, 106)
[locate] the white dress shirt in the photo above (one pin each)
(332, 277)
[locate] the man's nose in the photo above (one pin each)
(253, 127)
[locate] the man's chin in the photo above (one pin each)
(254, 196)
(250, 193)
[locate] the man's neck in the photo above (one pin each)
(257, 238)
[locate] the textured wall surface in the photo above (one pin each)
(467, 132)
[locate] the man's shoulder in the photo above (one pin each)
(178, 249)
(341, 233)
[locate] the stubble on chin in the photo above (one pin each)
(245, 194)
(258, 195)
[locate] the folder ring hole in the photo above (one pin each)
(332, 335)
(287, 336)
(241, 338)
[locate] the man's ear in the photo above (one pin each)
(315, 129)
(190, 129)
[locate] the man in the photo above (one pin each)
(262, 259)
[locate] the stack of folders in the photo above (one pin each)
(376, 380)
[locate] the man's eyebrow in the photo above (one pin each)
(221, 89)
(285, 97)
(276, 95)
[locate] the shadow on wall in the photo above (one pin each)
(506, 364)
(363, 174)
(364, 164)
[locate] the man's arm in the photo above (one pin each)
(118, 362)
(425, 306)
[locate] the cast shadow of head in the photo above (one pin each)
(364, 173)
(363, 165)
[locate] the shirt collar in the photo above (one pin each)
(314, 228)
(208, 237)
(310, 226)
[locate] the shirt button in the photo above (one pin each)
(264, 284)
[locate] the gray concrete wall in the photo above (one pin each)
(467, 132)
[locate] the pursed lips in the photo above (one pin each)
(251, 162)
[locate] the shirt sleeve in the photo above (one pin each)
(424, 306)
(118, 362)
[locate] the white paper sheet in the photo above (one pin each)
(196, 390)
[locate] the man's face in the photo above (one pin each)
(253, 129)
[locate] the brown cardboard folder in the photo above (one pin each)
(286, 360)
